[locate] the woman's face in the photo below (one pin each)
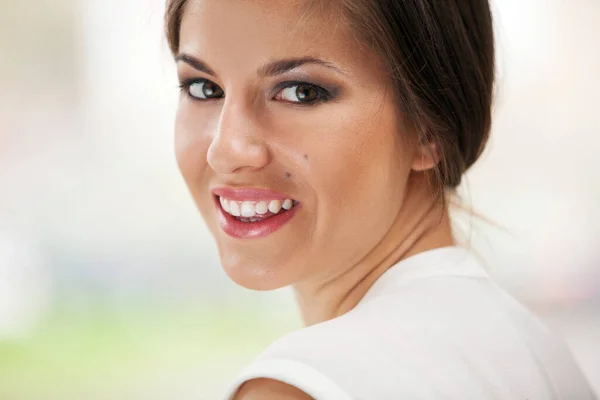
(281, 104)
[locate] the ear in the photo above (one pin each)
(426, 156)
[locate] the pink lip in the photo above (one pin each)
(247, 230)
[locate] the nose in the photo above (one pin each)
(237, 145)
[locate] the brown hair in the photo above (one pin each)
(440, 57)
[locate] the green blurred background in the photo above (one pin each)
(110, 286)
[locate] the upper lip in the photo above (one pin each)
(248, 193)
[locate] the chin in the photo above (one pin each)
(252, 273)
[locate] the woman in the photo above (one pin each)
(320, 141)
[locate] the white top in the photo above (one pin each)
(434, 326)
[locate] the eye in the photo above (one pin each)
(303, 93)
(202, 89)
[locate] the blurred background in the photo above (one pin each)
(110, 286)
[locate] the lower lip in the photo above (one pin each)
(247, 230)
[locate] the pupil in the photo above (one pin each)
(303, 92)
(208, 90)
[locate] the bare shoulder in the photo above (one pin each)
(269, 389)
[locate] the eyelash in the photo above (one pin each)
(324, 95)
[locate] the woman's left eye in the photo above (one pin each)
(303, 93)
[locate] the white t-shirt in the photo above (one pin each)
(434, 326)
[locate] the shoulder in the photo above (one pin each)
(269, 389)
(435, 336)
(340, 359)
(274, 375)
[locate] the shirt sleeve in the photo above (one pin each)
(293, 373)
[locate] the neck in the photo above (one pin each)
(421, 224)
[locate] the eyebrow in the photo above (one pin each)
(272, 68)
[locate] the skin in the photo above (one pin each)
(358, 171)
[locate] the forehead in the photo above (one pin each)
(239, 33)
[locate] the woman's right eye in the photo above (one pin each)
(202, 89)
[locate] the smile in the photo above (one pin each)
(255, 211)
(251, 213)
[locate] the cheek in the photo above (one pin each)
(362, 162)
(359, 176)
(192, 140)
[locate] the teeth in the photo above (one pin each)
(234, 209)
(252, 210)
(287, 204)
(275, 206)
(225, 204)
(261, 208)
(248, 209)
